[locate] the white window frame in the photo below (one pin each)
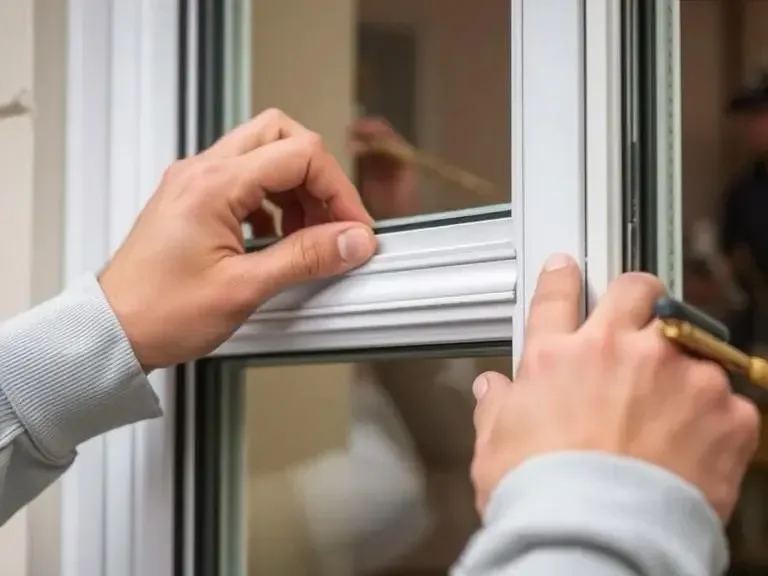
(117, 501)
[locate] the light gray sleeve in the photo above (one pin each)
(593, 514)
(67, 374)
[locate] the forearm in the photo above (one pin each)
(67, 374)
(595, 515)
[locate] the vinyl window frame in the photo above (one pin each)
(128, 117)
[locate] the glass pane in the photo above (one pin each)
(340, 467)
(723, 48)
(411, 96)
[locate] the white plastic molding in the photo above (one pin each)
(436, 285)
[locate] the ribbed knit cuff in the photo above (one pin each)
(69, 372)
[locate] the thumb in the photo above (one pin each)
(489, 390)
(308, 254)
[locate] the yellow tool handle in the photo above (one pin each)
(712, 348)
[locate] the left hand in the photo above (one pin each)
(182, 283)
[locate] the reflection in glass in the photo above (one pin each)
(412, 96)
(356, 468)
(725, 208)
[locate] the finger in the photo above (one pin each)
(489, 389)
(295, 162)
(309, 254)
(747, 424)
(371, 127)
(368, 131)
(269, 126)
(556, 304)
(627, 304)
(356, 148)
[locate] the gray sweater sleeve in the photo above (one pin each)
(591, 514)
(67, 374)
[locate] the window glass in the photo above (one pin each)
(411, 96)
(338, 466)
(723, 51)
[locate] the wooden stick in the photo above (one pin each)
(411, 155)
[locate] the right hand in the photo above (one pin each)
(613, 385)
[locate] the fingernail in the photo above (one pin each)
(355, 246)
(557, 261)
(480, 387)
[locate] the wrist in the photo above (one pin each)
(127, 315)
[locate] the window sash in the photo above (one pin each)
(439, 285)
(125, 115)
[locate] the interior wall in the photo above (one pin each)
(50, 86)
(16, 208)
(32, 57)
(302, 61)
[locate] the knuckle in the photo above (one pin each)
(598, 343)
(539, 353)
(650, 349)
(637, 287)
(477, 470)
(641, 281)
(474, 468)
(710, 382)
(313, 143)
(747, 421)
(273, 116)
(239, 293)
(175, 170)
(308, 259)
(206, 174)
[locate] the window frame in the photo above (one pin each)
(124, 116)
(668, 132)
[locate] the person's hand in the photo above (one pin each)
(387, 185)
(613, 385)
(182, 283)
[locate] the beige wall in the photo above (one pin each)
(16, 209)
(32, 57)
(302, 62)
(50, 81)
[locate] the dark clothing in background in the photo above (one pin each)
(745, 225)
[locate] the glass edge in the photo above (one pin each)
(421, 222)
(418, 352)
